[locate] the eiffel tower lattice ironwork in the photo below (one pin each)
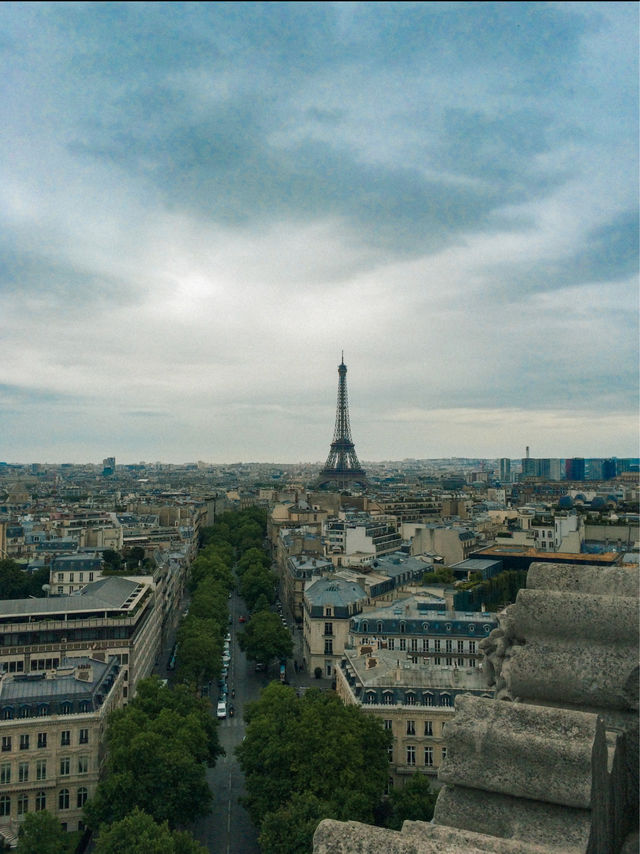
(342, 467)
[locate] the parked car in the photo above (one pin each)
(242, 619)
(222, 709)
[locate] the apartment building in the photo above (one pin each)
(117, 616)
(414, 702)
(51, 738)
(329, 603)
(71, 572)
(419, 628)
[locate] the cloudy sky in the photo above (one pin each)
(203, 204)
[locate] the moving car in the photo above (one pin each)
(221, 711)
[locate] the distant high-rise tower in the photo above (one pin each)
(505, 470)
(342, 467)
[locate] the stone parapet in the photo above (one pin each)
(510, 748)
(336, 837)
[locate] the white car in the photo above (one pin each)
(222, 709)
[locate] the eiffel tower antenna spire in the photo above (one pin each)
(342, 467)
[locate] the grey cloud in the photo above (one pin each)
(58, 282)
(609, 253)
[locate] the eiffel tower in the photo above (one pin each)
(342, 468)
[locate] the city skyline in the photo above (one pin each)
(204, 204)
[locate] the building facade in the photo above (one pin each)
(413, 701)
(329, 604)
(420, 630)
(52, 738)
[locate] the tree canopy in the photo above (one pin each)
(17, 583)
(157, 747)
(138, 833)
(335, 754)
(415, 801)
(265, 638)
(42, 833)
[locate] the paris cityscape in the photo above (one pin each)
(319, 458)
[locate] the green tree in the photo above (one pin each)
(335, 754)
(112, 560)
(257, 582)
(157, 747)
(138, 833)
(17, 583)
(265, 638)
(289, 829)
(199, 658)
(42, 833)
(415, 801)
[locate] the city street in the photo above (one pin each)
(227, 829)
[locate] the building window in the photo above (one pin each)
(427, 699)
(391, 644)
(81, 799)
(41, 769)
(428, 757)
(328, 646)
(388, 724)
(370, 697)
(23, 772)
(24, 712)
(41, 801)
(83, 764)
(411, 727)
(85, 706)
(63, 799)
(81, 576)
(387, 698)
(425, 644)
(23, 804)
(436, 660)
(43, 710)
(403, 627)
(328, 628)
(436, 645)
(472, 662)
(461, 662)
(411, 754)
(328, 612)
(327, 668)
(448, 646)
(65, 738)
(42, 739)
(428, 727)
(472, 647)
(410, 699)
(460, 646)
(403, 643)
(449, 662)
(6, 743)
(365, 627)
(71, 577)
(379, 628)
(5, 805)
(65, 766)
(390, 753)
(84, 736)
(5, 772)
(444, 753)
(61, 577)
(7, 714)
(24, 741)
(66, 708)
(90, 576)
(445, 700)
